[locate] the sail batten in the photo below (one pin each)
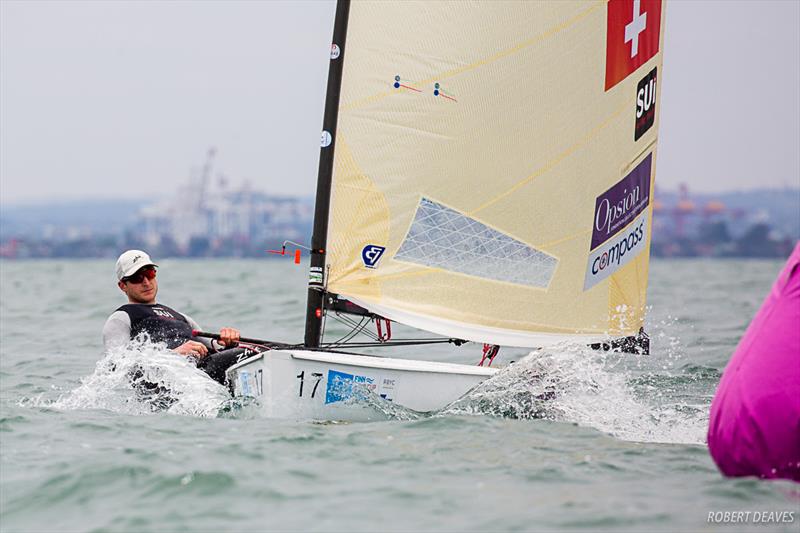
(493, 167)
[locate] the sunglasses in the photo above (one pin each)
(149, 273)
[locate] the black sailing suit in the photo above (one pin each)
(166, 325)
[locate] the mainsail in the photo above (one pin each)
(493, 165)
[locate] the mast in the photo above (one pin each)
(316, 281)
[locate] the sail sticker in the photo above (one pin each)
(632, 37)
(371, 254)
(386, 389)
(315, 276)
(442, 237)
(342, 386)
(615, 208)
(617, 252)
(335, 51)
(645, 104)
(325, 139)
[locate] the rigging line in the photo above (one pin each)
(485, 61)
(550, 165)
(343, 318)
(429, 339)
(426, 339)
(386, 344)
(352, 324)
(364, 331)
(347, 336)
(359, 327)
(324, 321)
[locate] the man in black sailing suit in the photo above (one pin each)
(136, 277)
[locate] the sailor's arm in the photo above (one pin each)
(117, 330)
(197, 348)
(229, 336)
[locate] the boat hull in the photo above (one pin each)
(319, 385)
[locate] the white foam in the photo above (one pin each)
(183, 389)
(573, 383)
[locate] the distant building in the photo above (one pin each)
(203, 219)
(706, 226)
(211, 218)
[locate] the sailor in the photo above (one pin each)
(136, 277)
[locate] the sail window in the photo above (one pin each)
(444, 238)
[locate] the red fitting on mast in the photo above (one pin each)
(297, 251)
(489, 352)
(381, 336)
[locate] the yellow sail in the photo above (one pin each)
(493, 166)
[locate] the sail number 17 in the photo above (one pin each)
(302, 377)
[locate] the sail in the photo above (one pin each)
(494, 165)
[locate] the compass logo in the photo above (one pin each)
(371, 254)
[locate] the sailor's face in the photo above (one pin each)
(141, 289)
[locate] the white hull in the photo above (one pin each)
(302, 384)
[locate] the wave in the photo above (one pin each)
(632, 397)
(143, 378)
(570, 383)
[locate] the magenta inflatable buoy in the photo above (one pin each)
(754, 429)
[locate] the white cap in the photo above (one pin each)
(131, 261)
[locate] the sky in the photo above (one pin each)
(122, 99)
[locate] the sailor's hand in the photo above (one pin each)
(229, 337)
(194, 348)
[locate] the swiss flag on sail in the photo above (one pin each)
(634, 28)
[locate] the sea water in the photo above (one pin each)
(620, 447)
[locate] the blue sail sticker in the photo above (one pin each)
(371, 254)
(342, 386)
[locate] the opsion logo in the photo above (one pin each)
(633, 30)
(645, 104)
(371, 254)
(615, 208)
(620, 224)
(617, 252)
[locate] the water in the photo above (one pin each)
(621, 448)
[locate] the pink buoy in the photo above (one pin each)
(754, 429)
